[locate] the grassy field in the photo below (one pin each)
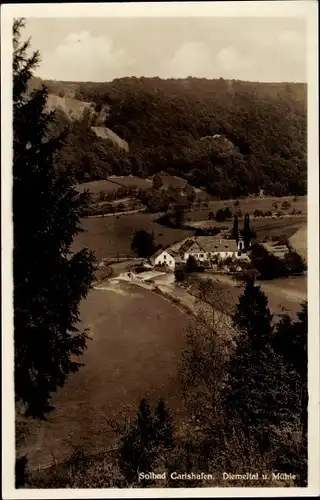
(137, 337)
(96, 186)
(111, 235)
(299, 241)
(265, 227)
(249, 205)
(131, 181)
(285, 295)
(172, 181)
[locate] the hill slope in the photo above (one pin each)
(233, 138)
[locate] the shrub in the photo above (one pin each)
(180, 275)
(286, 205)
(294, 263)
(258, 213)
(268, 265)
(268, 213)
(102, 196)
(191, 265)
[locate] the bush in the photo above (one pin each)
(191, 265)
(283, 240)
(258, 213)
(268, 213)
(180, 275)
(294, 263)
(223, 214)
(286, 205)
(268, 265)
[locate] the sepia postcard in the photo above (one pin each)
(160, 250)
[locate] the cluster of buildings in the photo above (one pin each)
(202, 248)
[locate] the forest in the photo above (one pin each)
(231, 138)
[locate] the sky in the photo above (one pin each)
(101, 49)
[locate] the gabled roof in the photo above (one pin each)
(187, 244)
(210, 244)
(160, 251)
(216, 244)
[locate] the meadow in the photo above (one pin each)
(249, 205)
(265, 227)
(137, 337)
(95, 187)
(109, 236)
(131, 181)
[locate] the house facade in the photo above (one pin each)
(163, 257)
(204, 248)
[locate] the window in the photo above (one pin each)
(170, 262)
(201, 256)
(164, 257)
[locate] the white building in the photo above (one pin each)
(163, 257)
(204, 248)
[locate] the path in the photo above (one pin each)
(117, 213)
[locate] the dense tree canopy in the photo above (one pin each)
(49, 281)
(232, 137)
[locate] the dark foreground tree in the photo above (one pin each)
(253, 392)
(291, 342)
(49, 280)
(143, 243)
(145, 441)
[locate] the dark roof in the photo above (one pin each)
(210, 244)
(216, 244)
(186, 245)
(160, 251)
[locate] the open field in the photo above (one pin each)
(137, 337)
(265, 227)
(109, 236)
(299, 241)
(131, 181)
(172, 181)
(112, 235)
(96, 186)
(249, 205)
(285, 295)
(277, 227)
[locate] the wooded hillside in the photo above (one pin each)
(231, 137)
